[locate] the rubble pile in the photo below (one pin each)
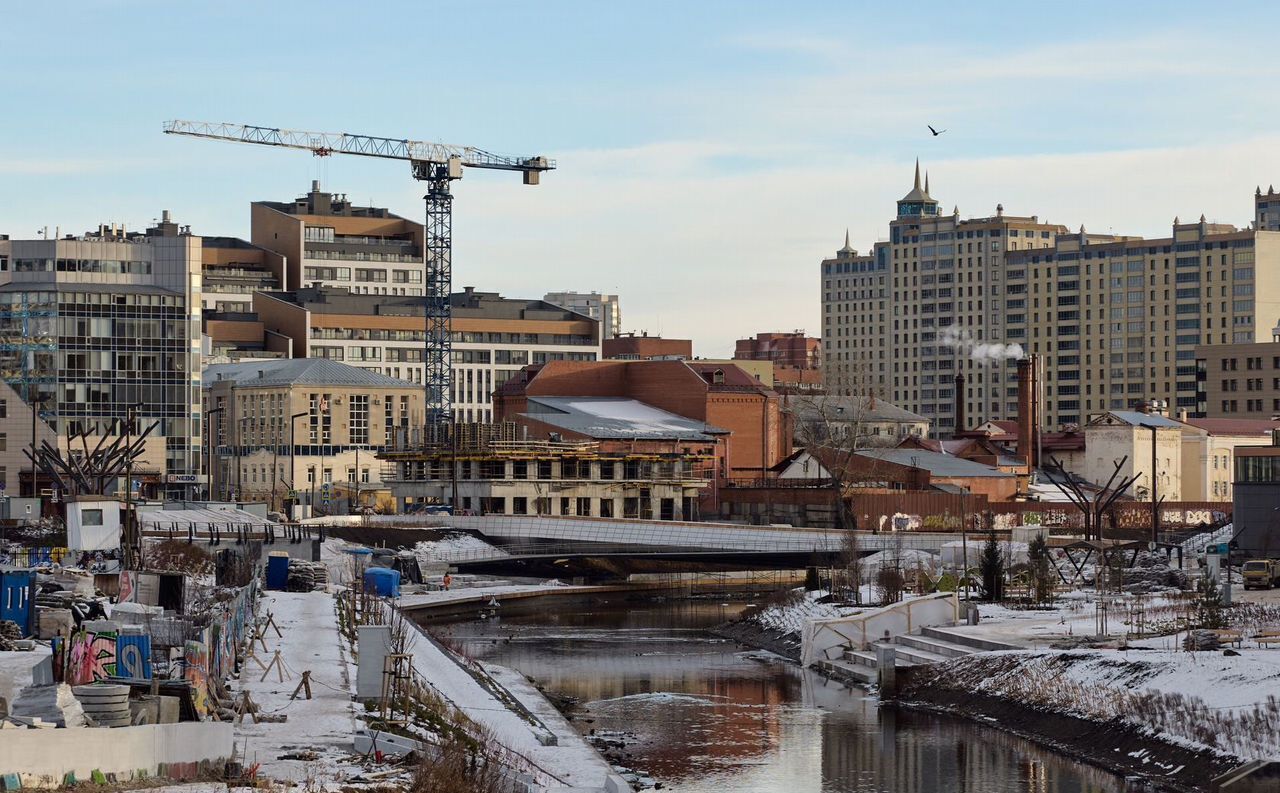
(1151, 572)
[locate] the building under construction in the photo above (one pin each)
(590, 457)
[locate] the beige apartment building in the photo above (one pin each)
(1240, 380)
(1116, 320)
(326, 240)
(901, 322)
(494, 337)
(308, 425)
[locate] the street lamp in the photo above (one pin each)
(208, 462)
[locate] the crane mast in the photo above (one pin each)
(437, 164)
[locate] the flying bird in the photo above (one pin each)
(936, 132)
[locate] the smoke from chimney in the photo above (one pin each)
(963, 342)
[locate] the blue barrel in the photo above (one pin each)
(277, 570)
(382, 581)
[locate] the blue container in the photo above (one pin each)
(277, 570)
(382, 581)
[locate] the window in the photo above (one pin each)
(91, 517)
(4, 442)
(4, 408)
(358, 419)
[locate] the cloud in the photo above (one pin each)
(713, 256)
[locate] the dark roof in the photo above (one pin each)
(486, 305)
(617, 418)
(944, 465)
(299, 371)
(1139, 419)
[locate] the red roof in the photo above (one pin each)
(1234, 426)
(1062, 441)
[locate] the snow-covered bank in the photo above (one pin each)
(1178, 716)
(1226, 704)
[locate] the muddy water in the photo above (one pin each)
(700, 714)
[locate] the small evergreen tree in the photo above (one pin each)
(1038, 555)
(1209, 606)
(991, 567)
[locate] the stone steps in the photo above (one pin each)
(967, 640)
(935, 646)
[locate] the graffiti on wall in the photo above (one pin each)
(133, 657)
(195, 657)
(90, 657)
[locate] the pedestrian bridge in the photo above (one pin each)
(565, 536)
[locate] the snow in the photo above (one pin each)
(1201, 699)
(791, 616)
(571, 763)
(323, 723)
(482, 594)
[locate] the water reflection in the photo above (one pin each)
(702, 716)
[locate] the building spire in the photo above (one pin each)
(847, 247)
(917, 184)
(926, 183)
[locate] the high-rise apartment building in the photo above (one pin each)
(604, 308)
(925, 306)
(1115, 319)
(94, 325)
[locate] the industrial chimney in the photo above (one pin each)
(1028, 419)
(961, 423)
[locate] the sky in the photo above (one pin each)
(709, 154)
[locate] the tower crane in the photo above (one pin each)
(437, 164)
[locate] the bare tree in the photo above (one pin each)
(833, 428)
(1096, 508)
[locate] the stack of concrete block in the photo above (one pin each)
(105, 705)
(51, 704)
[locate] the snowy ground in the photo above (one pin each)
(322, 725)
(483, 594)
(791, 616)
(571, 763)
(1228, 704)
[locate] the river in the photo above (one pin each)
(700, 714)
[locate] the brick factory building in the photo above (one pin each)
(720, 395)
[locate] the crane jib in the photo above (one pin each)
(324, 144)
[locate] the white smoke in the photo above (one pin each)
(963, 342)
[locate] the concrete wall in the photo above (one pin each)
(826, 639)
(44, 757)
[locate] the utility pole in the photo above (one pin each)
(132, 543)
(293, 447)
(1155, 502)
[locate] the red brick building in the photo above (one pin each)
(631, 347)
(721, 395)
(792, 350)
